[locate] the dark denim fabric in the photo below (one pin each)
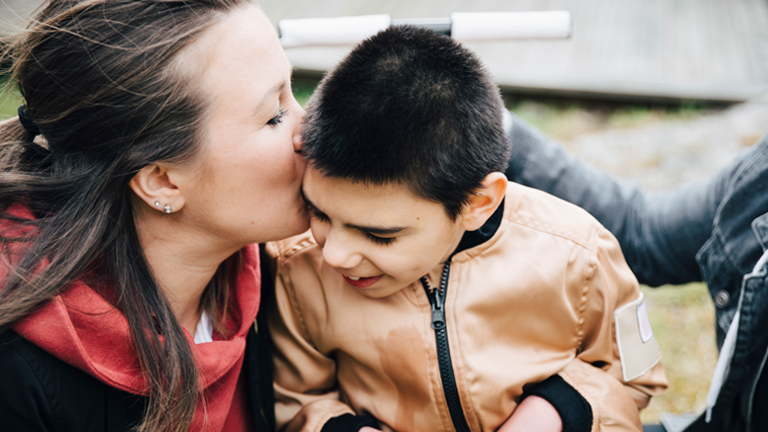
(713, 231)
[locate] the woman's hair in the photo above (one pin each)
(103, 83)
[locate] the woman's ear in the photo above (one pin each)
(485, 201)
(152, 184)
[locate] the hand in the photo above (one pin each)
(533, 414)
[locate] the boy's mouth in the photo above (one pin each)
(362, 282)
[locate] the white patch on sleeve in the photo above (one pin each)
(638, 348)
(646, 332)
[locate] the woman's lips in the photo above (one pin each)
(363, 282)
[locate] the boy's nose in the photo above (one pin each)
(339, 254)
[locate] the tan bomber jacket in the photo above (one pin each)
(549, 293)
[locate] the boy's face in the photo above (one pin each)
(380, 238)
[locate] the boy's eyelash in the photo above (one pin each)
(278, 118)
(317, 215)
(380, 240)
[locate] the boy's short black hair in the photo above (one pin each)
(409, 105)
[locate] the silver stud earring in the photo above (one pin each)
(167, 209)
(157, 203)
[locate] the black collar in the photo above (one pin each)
(482, 234)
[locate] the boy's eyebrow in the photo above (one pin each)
(309, 203)
(376, 230)
(368, 229)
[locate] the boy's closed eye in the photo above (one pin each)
(322, 217)
(380, 240)
(372, 234)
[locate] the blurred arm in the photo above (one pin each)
(659, 233)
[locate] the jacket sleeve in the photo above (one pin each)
(660, 233)
(306, 393)
(618, 364)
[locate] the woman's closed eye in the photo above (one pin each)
(278, 118)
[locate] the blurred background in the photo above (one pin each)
(662, 92)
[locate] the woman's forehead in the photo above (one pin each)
(242, 41)
(240, 57)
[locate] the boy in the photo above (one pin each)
(435, 295)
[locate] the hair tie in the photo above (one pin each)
(27, 122)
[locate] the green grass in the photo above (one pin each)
(303, 87)
(682, 318)
(9, 101)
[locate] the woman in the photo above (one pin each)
(157, 145)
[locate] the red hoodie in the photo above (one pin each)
(82, 329)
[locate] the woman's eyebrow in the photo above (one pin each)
(276, 89)
(363, 228)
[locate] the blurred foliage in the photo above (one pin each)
(9, 100)
(303, 87)
(564, 119)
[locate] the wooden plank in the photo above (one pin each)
(692, 49)
(750, 17)
(721, 63)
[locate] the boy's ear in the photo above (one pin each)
(485, 201)
(153, 185)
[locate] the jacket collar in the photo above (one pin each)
(482, 234)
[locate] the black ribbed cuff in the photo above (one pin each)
(574, 410)
(349, 423)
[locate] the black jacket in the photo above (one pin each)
(39, 392)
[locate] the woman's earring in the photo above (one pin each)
(157, 203)
(167, 209)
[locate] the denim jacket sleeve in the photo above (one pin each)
(659, 233)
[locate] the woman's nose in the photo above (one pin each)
(298, 139)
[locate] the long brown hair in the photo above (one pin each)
(100, 81)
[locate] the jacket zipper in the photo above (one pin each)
(437, 300)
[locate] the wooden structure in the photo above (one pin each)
(712, 50)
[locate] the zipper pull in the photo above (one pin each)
(438, 318)
(438, 314)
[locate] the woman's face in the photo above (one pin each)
(246, 186)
